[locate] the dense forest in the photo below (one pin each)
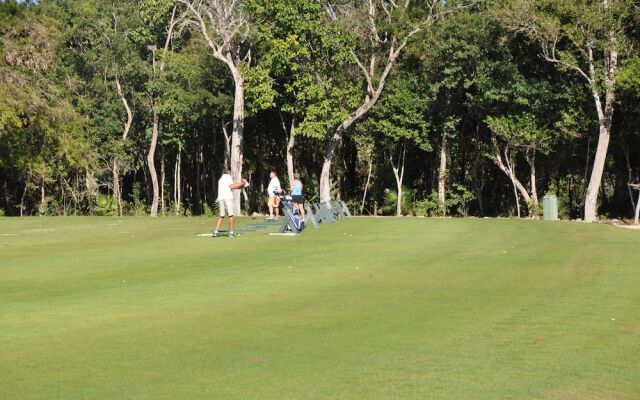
(423, 107)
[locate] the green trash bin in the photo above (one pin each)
(550, 207)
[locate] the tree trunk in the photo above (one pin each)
(198, 202)
(91, 186)
(442, 175)
(24, 196)
(366, 186)
(227, 146)
(625, 151)
(290, 143)
(116, 186)
(325, 174)
(151, 164)
(291, 140)
(398, 172)
(591, 199)
(177, 184)
(163, 175)
(237, 134)
(605, 117)
(517, 198)
(156, 122)
(509, 168)
(370, 99)
(43, 198)
(290, 165)
(117, 192)
(515, 182)
(478, 183)
(534, 207)
(636, 219)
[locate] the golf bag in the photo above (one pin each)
(293, 219)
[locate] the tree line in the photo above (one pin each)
(431, 107)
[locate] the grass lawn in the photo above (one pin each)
(105, 308)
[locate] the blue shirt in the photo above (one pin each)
(297, 188)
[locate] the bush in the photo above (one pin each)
(354, 206)
(428, 207)
(2, 214)
(569, 204)
(137, 208)
(459, 199)
(391, 199)
(106, 206)
(211, 211)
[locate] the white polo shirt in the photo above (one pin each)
(224, 189)
(274, 186)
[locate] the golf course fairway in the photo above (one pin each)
(367, 308)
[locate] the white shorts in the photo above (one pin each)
(226, 205)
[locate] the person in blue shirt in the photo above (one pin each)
(296, 194)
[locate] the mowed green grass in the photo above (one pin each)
(105, 308)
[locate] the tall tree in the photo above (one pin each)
(294, 42)
(521, 135)
(226, 29)
(43, 144)
(382, 30)
(158, 19)
(110, 63)
(398, 122)
(586, 37)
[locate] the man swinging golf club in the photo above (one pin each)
(225, 200)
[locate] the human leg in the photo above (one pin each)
(218, 223)
(232, 223)
(271, 203)
(228, 204)
(221, 214)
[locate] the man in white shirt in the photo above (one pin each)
(225, 200)
(272, 190)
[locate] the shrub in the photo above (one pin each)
(211, 211)
(459, 199)
(354, 206)
(428, 207)
(391, 199)
(106, 206)
(137, 208)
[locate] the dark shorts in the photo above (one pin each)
(298, 199)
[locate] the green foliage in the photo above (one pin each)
(306, 55)
(211, 211)
(258, 89)
(138, 206)
(473, 76)
(459, 198)
(399, 115)
(570, 191)
(391, 200)
(522, 131)
(106, 206)
(429, 207)
(629, 75)
(457, 202)
(153, 16)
